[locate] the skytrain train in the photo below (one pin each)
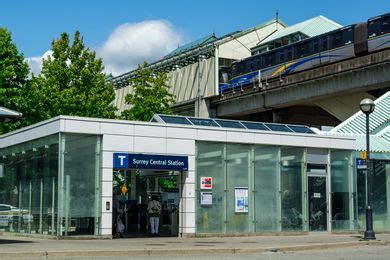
(344, 43)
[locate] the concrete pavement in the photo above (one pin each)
(12, 246)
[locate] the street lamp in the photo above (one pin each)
(367, 106)
(7, 114)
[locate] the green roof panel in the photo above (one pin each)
(312, 27)
(379, 127)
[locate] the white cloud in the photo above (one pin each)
(35, 63)
(131, 44)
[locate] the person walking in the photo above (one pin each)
(154, 211)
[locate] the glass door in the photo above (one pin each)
(317, 203)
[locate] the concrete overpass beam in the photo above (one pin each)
(343, 106)
(359, 80)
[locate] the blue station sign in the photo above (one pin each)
(150, 162)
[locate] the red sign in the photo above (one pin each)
(206, 183)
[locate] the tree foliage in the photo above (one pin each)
(150, 95)
(13, 78)
(72, 82)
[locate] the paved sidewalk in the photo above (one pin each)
(21, 247)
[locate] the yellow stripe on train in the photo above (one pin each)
(282, 68)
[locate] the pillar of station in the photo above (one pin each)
(203, 109)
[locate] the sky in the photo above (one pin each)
(125, 33)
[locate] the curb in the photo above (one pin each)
(191, 251)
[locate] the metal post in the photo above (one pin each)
(198, 98)
(29, 205)
(369, 233)
(41, 207)
(53, 196)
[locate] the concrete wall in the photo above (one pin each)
(184, 83)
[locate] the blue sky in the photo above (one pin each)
(34, 24)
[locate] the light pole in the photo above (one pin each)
(367, 106)
(7, 114)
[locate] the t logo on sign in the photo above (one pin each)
(121, 160)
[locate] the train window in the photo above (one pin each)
(385, 25)
(269, 59)
(234, 73)
(251, 66)
(348, 36)
(373, 28)
(289, 53)
(258, 63)
(316, 46)
(324, 43)
(303, 49)
(242, 67)
(281, 56)
(336, 40)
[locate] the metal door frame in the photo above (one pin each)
(327, 194)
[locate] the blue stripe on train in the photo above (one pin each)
(248, 78)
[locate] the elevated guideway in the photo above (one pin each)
(324, 95)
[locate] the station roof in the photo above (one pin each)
(213, 38)
(192, 45)
(190, 52)
(312, 27)
(379, 130)
(224, 123)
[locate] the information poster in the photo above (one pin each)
(241, 199)
(206, 183)
(206, 198)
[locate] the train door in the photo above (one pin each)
(132, 192)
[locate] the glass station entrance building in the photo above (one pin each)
(84, 176)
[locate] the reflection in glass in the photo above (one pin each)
(81, 181)
(291, 192)
(381, 195)
(266, 184)
(28, 187)
(210, 163)
(317, 203)
(237, 172)
(343, 190)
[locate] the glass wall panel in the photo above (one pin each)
(343, 190)
(381, 195)
(361, 197)
(266, 189)
(380, 198)
(238, 193)
(80, 178)
(28, 186)
(210, 205)
(292, 184)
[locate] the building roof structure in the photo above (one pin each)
(379, 129)
(226, 123)
(189, 53)
(309, 28)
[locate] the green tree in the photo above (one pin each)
(150, 95)
(13, 78)
(72, 82)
